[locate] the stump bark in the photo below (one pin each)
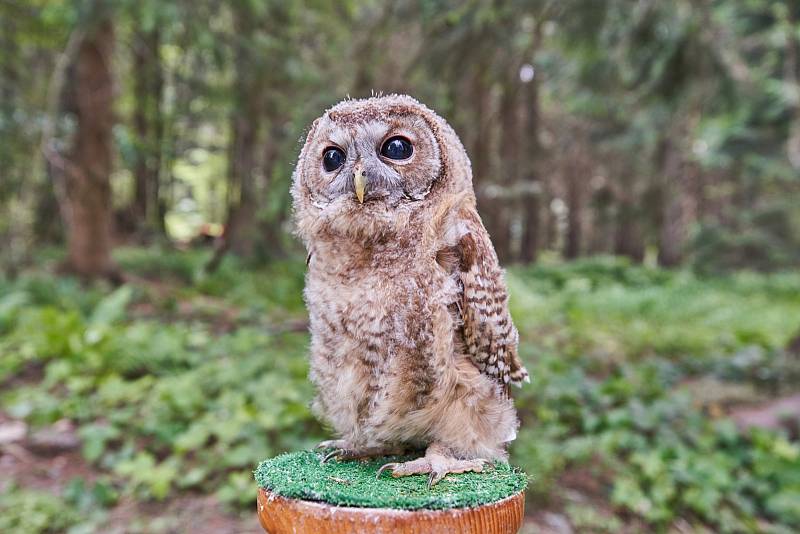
(279, 515)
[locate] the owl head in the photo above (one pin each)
(371, 167)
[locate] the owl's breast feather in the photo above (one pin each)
(390, 300)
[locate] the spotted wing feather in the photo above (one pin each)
(489, 335)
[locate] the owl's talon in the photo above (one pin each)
(434, 477)
(332, 454)
(384, 467)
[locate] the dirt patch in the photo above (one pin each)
(783, 413)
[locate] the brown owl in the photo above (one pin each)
(412, 344)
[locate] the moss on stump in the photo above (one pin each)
(300, 475)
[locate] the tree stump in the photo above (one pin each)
(298, 494)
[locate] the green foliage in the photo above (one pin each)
(611, 344)
(668, 459)
(79, 509)
(612, 311)
(186, 385)
(763, 239)
(35, 513)
(164, 264)
(678, 115)
(155, 398)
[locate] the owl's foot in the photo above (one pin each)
(436, 463)
(343, 450)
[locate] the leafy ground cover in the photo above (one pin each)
(173, 387)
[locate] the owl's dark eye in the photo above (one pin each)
(332, 159)
(397, 148)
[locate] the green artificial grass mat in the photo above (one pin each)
(300, 475)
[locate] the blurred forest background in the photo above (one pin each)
(637, 163)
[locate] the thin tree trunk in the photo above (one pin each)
(12, 231)
(270, 227)
(149, 126)
(480, 153)
(671, 226)
(241, 229)
(602, 226)
(87, 185)
(577, 181)
(242, 167)
(531, 218)
(9, 173)
(509, 168)
(157, 91)
(8, 87)
(628, 240)
(141, 127)
(791, 77)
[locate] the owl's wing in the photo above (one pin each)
(489, 335)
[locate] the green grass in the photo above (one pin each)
(301, 475)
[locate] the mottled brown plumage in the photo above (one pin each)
(412, 342)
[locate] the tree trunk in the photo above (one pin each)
(241, 229)
(529, 247)
(149, 126)
(89, 163)
(628, 240)
(508, 179)
(791, 76)
(671, 224)
(602, 217)
(577, 181)
(488, 190)
(270, 227)
(8, 88)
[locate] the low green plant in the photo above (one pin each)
(79, 508)
(186, 382)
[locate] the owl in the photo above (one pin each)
(412, 343)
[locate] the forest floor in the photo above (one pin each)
(659, 399)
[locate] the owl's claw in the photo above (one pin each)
(332, 454)
(384, 467)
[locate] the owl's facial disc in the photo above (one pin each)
(369, 168)
(372, 162)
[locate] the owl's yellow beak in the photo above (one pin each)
(359, 181)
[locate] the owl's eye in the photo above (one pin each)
(332, 159)
(397, 148)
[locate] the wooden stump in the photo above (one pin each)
(279, 515)
(299, 493)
